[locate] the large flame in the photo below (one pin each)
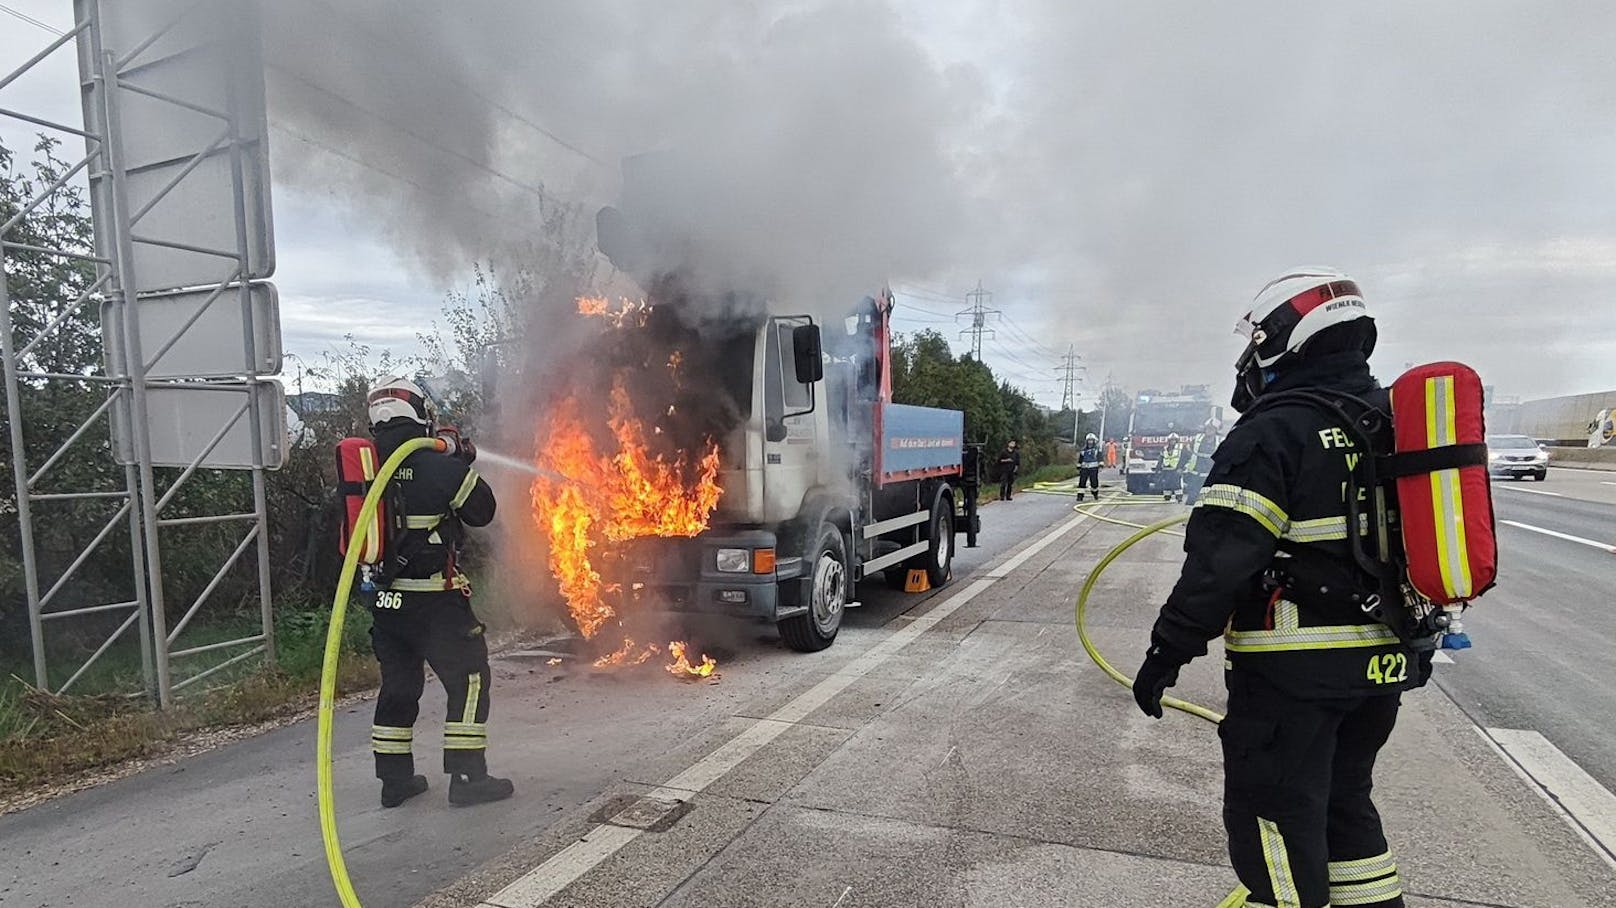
(591, 499)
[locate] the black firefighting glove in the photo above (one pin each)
(1159, 672)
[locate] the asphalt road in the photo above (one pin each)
(1545, 638)
(237, 826)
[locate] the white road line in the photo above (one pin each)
(1580, 800)
(1528, 491)
(1606, 482)
(540, 884)
(1440, 656)
(1559, 535)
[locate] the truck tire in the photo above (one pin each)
(827, 595)
(938, 562)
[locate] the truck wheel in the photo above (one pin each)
(938, 561)
(827, 596)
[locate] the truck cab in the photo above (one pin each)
(825, 482)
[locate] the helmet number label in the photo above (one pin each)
(1388, 668)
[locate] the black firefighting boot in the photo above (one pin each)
(397, 791)
(466, 790)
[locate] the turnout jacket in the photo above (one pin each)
(441, 495)
(1276, 497)
(1089, 457)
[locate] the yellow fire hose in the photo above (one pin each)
(328, 671)
(1238, 897)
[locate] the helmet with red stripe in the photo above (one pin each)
(396, 397)
(1289, 311)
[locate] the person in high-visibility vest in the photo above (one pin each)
(1172, 461)
(1111, 453)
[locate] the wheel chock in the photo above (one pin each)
(918, 581)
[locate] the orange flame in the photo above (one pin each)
(626, 312)
(590, 499)
(681, 667)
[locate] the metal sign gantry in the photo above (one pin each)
(176, 165)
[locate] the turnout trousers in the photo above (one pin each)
(412, 630)
(1303, 832)
(1090, 477)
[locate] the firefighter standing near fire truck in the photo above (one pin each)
(1171, 466)
(423, 610)
(1088, 467)
(1306, 718)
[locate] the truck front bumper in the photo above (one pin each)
(682, 575)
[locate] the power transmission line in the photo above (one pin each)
(17, 14)
(979, 312)
(1069, 362)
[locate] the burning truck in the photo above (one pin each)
(745, 463)
(707, 451)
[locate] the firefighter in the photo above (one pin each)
(423, 607)
(1314, 683)
(1170, 467)
(1009, 465)
(1088, 467)
(1198, 462)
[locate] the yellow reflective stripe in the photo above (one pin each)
(1441, 430)
(367, 464)
(465, 728)
(433, 584)
(466, 486)
(1287, 617)
(1279, 865)
(1362, 869)
(1370, 893)
(1330, 636)
(422, 521)
(474, 689)
(391, 733)
(465, 744)
(1324, 529)
(1237, 898)
(1244, 501)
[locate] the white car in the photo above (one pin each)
(1516, 457)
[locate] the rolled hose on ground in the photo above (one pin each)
(1143, 532)
(328, 671)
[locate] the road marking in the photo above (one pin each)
(1559, 535)
(1529, 491)
(1440, 656)
(1606, 482)
(543, 882)
(1577, 797)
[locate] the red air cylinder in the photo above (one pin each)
(357, 462)
(1446, 510)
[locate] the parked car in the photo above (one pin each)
(1516, 456)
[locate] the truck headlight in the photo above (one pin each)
(735, 561)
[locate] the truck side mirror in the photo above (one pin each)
(807, 355)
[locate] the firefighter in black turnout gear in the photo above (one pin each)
(422, 609)
(1088, 467)
(1314, 682)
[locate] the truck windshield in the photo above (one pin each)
(1161, 418)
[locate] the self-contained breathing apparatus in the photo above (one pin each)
(1419, 508)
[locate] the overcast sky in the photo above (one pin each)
(1123, 177)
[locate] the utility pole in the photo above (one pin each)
(979, 312)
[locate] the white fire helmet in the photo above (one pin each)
(396, 396)
(1294, 307)
(1091, 437)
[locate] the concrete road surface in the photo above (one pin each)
(956, 749)
(1545, 640)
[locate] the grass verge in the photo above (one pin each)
(46, 738)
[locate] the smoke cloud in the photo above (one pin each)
(1124, 175)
